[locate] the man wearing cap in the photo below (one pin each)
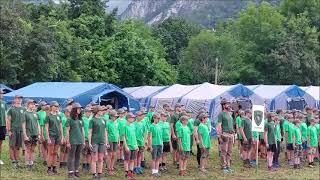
(14, 127)
(173, 120)
(225, 133)
(3, 111)
(54, 137)
(31, 129)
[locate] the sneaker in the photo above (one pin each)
(161, 168)
(50, 173)
(29, 167)
(1, 162)
(77, 174)
(165, 168)
(54, 171)
(230, 170)
(225, 170)
(135, 171)
(140, 170)
(71, 175)
(253, 163)
(131, 175)
(271, 169)
(203, 170)
(310, 166)
(95, 176)
(180, 173)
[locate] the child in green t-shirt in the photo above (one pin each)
(130, 146)
(204, 142)
(184, 145)
(312, 137)
(63, 147)
(114, 141)
(246, 134)
(86, 160)
(166, 138)
(278, 136)
(270, 140)
(297, 143)
(289, 132)
(238, 126)
(141, 132)
(155, 143)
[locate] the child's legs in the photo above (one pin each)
(100, 162)
(50, 155)
(55, 152)
(94, 159)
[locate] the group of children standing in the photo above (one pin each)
(292, 132)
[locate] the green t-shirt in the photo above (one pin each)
(173, 120)
(85, 123)
(121, 125)
(203, 130)
(106, 117)
(278, 132)
(54, 122)
(208, 124)
(270, 128)
(75, 132)
(290, 132)
(178, 126)
(98, 127)
(303, 128)
(318, 128)
(149, 115)
(141, 131)
(113, 131)
(238, 123)
(184, 134)
(190, 124)
(31, 121)
(16, 114)
(297, 135)
(165, 126)
(147, 121)
(63, 124)
(130, 135)
(309, 116)
(312, 133)
(226, 122)
(285, 125)
(3, 111)
(42, 117)
(156, 133)
(246, 124)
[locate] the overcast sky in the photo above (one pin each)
(121, 4)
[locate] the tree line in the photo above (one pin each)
(79, 41)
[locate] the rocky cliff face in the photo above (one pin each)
(202, 12)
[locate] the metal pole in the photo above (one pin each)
(257, 154)
(216, 73)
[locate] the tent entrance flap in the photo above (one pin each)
(241, 104)
(296, 103)
(111, 97)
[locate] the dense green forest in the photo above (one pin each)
(79, 41)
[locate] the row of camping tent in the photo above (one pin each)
(193, 97)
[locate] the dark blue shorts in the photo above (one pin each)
(304, 145)
(290, 147)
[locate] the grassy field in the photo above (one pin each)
(214, 172)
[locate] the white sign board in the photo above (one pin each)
(258, 118)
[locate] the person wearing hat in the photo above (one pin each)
(276, 155)
(121, 124)
(54, 136)
(303, 128)
(246, 133)
(3, 110)
(166, 138)
(312, 138)
(166, 107)
(190, 124)
(173, 123)
(204, 141)
(86, 152)
(310, 114)
(155, 143)
(184, 142)
(14, 128)
(43, 107)
(130, 146)
(225, 133)
(64, 150)
(114, 141)
(30, 129)
(289, 130)
(75, 140)
(98, 141)
(270, 140)
(297, 143)
(141, 132)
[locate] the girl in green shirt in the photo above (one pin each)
(312, 137)
(297, 144)
(63, 147)
(86, 150)
(43, 136)
(30, 128)
(75, 140)
(205, 144)
(166, 138)
(155, 143)
(114, 141)
(184, 145)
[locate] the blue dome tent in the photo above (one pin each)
(5, 88)
(82, 92)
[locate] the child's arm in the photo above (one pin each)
(201, 142)
(150, 141)
(266, 138)
(126, 148)
(293, 141)
(243, 135)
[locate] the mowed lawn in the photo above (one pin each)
(214, 172)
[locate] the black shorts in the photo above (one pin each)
(130, 155)
(272, 148)
(113, 147)
(86, 150)
(262, 142)
(166, 147)
(121, 143)
(3, 132)
(174, 143)
(290, 147)
(140, 150)
(33, 140)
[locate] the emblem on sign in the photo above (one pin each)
(258, 117)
